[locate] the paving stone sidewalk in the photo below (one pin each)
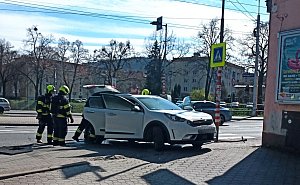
(124, 163)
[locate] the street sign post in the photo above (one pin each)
(217, 59)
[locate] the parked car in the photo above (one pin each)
(4, 105)
(235, 104)
(146, 118)
(223, 104)
(249, 105)
(210, 108)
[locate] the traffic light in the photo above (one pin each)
(159, 23)
(254, 32)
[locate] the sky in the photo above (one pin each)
(96, 22)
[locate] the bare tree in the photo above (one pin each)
(7, 57)
(157, 49)
(71, 66)
(249, 50)
(38, 57)
(209, 35)
(112, 59)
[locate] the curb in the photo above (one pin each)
(52, 168)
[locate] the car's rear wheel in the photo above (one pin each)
(1, 110)
(158, 138)
(197, 145)
(98, 139)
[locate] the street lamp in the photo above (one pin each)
(159, 26)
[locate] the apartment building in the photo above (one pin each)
(191, 73)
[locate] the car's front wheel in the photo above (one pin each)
(222, 119)
(197, 145)
(158, 138)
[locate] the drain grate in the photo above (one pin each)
(12, 150)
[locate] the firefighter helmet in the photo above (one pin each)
(146, 92)
(64, 89)
(50, 88)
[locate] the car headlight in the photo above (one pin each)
(175, 118)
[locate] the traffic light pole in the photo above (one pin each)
(255, 85)
(219, 79)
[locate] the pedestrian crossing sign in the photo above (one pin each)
(218, 54)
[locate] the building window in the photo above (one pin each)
(185, 89)
(194, 80)
(185, 80)
(195, 72)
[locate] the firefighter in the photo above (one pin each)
(89, 134)
(61, 110)
(44, 115)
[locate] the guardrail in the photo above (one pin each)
(242, 110)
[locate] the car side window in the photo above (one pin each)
(197, 106)
(117, 103)
(210, 105)
(96, 102)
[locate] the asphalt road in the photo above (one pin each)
(18, 134)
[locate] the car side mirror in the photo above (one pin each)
(136, 108)
(188, 108)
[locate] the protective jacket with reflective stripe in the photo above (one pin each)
(43, 105)
(60, 107)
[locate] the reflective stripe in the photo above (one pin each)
(92, 135)
(61, 139)
(66, 106)
(39, 110)
(79, 131)
(40, 103)
(37, 134)
(60, 116)
(49, 136)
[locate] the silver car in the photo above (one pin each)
(146, 118)
(4, 105)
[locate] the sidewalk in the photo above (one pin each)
(121, 163)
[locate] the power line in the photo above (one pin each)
(243, 12)
(197, 3)
(47, 9)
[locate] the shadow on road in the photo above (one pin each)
(141, 150)
(263, 166)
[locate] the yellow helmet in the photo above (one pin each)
(50, 88)
(64, 89)
(146, 92)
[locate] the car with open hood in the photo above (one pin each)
(147, 118)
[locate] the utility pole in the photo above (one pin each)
(159, 26)
(255, 85)
(219, 78)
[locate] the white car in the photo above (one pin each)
(146, 118)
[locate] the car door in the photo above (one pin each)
(122, 121)
(94, 112)
(206, 107)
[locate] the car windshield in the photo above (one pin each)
(155, 103)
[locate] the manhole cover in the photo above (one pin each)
(12, 150)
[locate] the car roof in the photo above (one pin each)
(100, 89)
(202, 101)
